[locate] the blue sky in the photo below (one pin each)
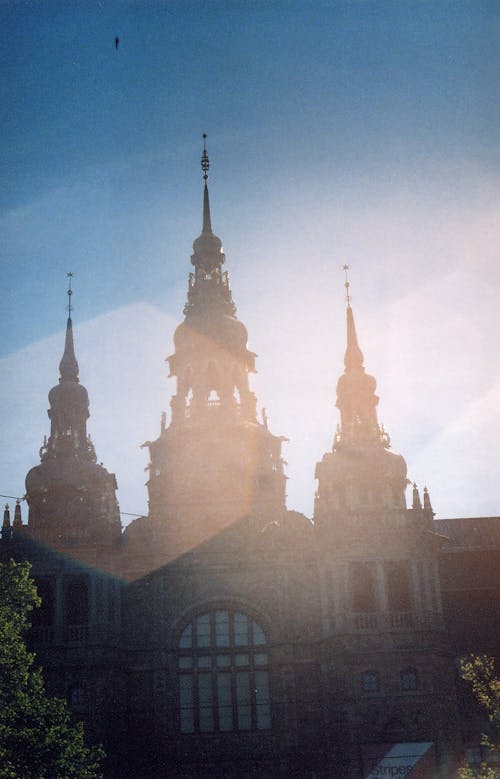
(358, 132)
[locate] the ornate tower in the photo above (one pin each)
(215, 462)
(388, 677)
(71, 499)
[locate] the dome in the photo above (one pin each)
(65, 473)
(68, 394)
(225, 330)
(207, 252)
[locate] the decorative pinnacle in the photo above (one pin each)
(205, 162)
(70, 292)
(347, 285)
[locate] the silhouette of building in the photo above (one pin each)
(225, 636)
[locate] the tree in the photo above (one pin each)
(37, 738)
(479, 670)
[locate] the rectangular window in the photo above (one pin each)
(262, 700)
(203, 630)
(186, 703)
(224, 707)
(205, 701)
(258, 635)
(240, 629)
(243, 700)
(222, 628)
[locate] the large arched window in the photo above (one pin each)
(223, 674)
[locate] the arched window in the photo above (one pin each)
(370, 681)
(223, 674)
(409, 679)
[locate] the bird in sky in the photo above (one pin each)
(117, 41)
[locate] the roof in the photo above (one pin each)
(469, 533)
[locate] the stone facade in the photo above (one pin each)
(223, 635)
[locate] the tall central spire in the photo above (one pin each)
(215, 462)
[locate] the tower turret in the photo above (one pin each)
(360, 474)
(378, 563)
(215, 462)
(71, 499)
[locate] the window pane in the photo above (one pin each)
(240, 629)
(260, 658)
(262, 686)
(409, 679)
(203, 630)
(204, 661)
(187, 720)
(263, 711)
(186, 690)
(186, 701)
(185, 662)
(370, 681)
(242, 659)
(225, 707)
(205, 702)
(186, 641)
(263, 716)
(222, 628)
(223, 661)
(243, 700)
(258, 635)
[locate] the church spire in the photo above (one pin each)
(69, 404)
(68, 367)
(356, 398)
(205, 166)
(207, 256)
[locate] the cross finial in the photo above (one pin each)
(347, 285)
(70, 292)
(205, 162)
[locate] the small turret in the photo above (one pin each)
(416, 503)
(6, 528)
(18, 520)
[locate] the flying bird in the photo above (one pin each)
(117, 41)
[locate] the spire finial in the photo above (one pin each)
(68, 366)
(70, 275)
(347, 285)
(205, 162)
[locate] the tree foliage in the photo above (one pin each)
(479, 670)
(37, 738)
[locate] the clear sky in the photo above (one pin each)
(363, 133)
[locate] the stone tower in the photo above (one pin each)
(388, 676)
(215, 462)
(72, 500)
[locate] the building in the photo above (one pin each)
(225, 636)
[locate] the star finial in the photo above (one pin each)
(70, 292)
(205, 162)
(347, 285)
